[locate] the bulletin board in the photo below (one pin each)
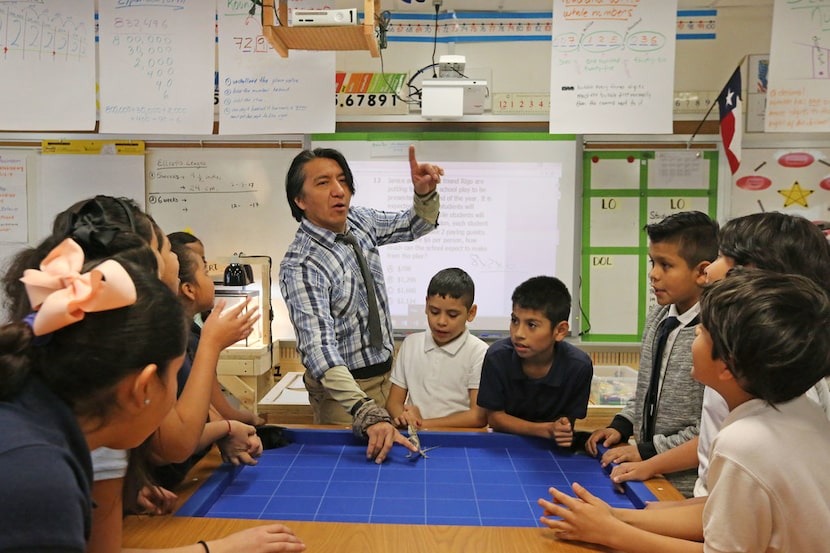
(623, 191)
(795, 181)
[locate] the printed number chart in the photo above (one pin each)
(469, 479)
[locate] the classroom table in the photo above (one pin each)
(476, 491)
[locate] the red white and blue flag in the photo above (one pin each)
(731, 121)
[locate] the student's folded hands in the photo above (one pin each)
(583, 518)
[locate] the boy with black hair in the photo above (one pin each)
(787, 244)
(665, 410)
(762, 343)
(534, 383)
(436, 374)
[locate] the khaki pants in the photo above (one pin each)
(328, 411)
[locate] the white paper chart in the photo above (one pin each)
(261, 92)
(157, 66)
(609, 63)
(47, 78)
(798, 95)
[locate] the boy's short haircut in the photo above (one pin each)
(546, 294)
(772, 331)
(455, 283)
(182, 237)
(694, 232)
(778, 242)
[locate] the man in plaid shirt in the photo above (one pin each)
(347, 357)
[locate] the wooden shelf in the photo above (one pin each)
(340, 37)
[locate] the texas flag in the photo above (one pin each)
(731, 122)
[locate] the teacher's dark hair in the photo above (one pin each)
(296, 175)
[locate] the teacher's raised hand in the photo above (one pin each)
(425, 176)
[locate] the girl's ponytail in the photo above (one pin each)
(15, 357)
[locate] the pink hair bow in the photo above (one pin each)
(61, 295)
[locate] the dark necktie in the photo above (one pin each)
(375, 333)
(663, 330)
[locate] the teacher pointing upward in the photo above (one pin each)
(332, 282)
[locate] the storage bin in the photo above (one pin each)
(612, 385)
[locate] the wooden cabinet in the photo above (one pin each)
(337, 37)
(247, 372)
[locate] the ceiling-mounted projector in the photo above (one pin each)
(321, 18)
(451, 66)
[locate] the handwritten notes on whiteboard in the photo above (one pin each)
(261, 92)
(13, 218)
(157, 66)
(68, 178)
(48, 65)
(798, 95)
(232, 199)
(612, 66)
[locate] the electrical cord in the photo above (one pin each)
(383, 19)
(414, 91)
(255, 3)
(585, 320)
(435, 40)
(270, 344)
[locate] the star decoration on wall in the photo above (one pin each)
(795, 195)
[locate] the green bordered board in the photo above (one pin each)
(623, 191)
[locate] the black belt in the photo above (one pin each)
(373, 370)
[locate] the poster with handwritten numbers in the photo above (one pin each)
(157, 66)
(47, 65)
(798, 93)
(612, 66)
(261, 92)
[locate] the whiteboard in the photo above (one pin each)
(507, 214)
(232, 199)
(68, 178)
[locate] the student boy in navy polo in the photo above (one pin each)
(534, 383)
